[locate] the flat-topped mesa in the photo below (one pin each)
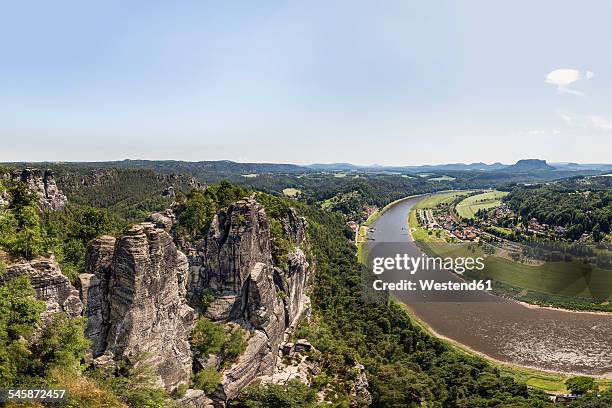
(134, 296)
(42, 182)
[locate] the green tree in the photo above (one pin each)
(581, 385)
(236, 344)
(197, 215)
(207, 380)
(134, 381)
(292, 395)
(208, 337)
(62, 342)
(28, 240)
(19, 316)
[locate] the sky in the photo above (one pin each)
(391, 83)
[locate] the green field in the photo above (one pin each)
(552, 278)
(291, 192)
(445, 197)
(502, 230)
(442, 178)
(574, 284)
(470, 205)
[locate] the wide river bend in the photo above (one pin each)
(505, 330)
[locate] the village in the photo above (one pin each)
(497, 223)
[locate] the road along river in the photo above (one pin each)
(502, 329)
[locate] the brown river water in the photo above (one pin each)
(502, 329)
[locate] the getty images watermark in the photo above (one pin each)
(406, 265)
(453, 274)
(476, 271)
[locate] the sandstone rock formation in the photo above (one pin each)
(42, 182)
(163, 219)
(360, 387)
(93, 289)
(235, 261)
(135, 300)
(136, 289)
(50, 284)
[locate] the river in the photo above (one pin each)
(502, 329)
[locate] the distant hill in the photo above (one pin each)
(529, 165)
(427, 167)
(334, 166)
(583, 166)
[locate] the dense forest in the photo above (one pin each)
(406, 367)
(581, 205)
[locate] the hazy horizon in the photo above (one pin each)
(409, 83)
(303, 164)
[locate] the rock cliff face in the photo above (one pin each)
(51, 286)
(238, 239)
(137, 286)
(235, 261)
(134, 297)
(42, 182)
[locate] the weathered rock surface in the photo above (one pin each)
(238, 239)
(196, 399)
(93, 289)
(294, 227)
(142, 285)
(50, 284)
(360, 388)
(163, 219)
(42, 182)
(235, 261)
(292, 283)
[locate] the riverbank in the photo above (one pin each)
(538, 345)
(550, 381)
(523, 283)
(361, 236)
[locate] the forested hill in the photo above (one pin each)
(405, 366)
(582, 205)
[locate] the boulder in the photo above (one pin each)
(302, 346)
(163, 219)
(195, 399)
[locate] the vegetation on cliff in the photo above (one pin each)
(405, 366)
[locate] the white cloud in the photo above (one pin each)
(587, 121)
(542, 132)
(600, 122)
(564, 77)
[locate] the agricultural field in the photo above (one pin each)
(558, 282)
(551, 278)
(291, 192)
(442, 178)
(445, 197)
(470, 205)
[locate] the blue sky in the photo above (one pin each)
(395, 82)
